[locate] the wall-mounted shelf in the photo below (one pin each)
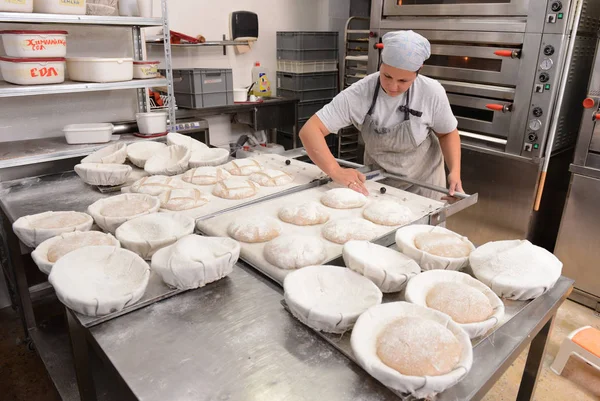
(212, 43)
(35, 18)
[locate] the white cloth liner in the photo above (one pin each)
(194, 261)
(364, 345)
(111, 154)
(526, 271)
(171, 160)
(103, 173)
(405, 239)
(329, 298)
(111, 224)
(25, 227)
(147, 234)
(154, 185)
(388, 269)
(209, 157)
(418, 288)
(253, 253)
(184, 198)
(40, 254)
(98, 280)
(139, 152)
(192, 144)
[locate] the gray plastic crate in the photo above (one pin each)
(192, 101)
(202, 80)
(308, 109)
(303, 96)
(307, 55)
(317, 80)
(306, 40)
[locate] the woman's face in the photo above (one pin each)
(395, 81)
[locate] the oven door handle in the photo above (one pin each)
(508, 53)
(499, 107)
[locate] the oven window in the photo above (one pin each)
(470, 63)
(426, 2)
(475, 114)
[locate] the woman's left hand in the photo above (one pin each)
(454, 185)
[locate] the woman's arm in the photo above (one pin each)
(450, 144)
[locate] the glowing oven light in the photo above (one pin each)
(399, 2)
(466, 58)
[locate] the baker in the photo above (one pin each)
(404, 118)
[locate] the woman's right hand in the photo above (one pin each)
(350, 178)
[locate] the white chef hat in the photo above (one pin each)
(406, 50)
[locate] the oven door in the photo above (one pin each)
(455, 7)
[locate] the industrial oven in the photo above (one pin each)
(579, 234)
(502, 63)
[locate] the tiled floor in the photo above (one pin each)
(23, 378)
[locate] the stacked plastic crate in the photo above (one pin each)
(307, 69)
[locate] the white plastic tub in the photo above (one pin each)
(59, 6)
(33, 71)
(94, 69)
(88, 133)
(34, 43)
(17, 6)
(151, 123)
(145, 69)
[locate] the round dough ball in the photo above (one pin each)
(205, 175)
(388, 213)
(305, 214)
(443, 244)
(235, 188)
(343, 198)
(242, 167)
(295, 251)
(418, 347)
(343, 230)
(70, 243)
(126, 207)
(255, 229)
(271, 178)
(463, 303)
(182, 199)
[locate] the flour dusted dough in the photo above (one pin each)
(155, 185)
(443, 244)
(50, 251)
(463, 303)
(516, 269)
(341, 231)
(271, 178)
(295, 251)
(205, 175)
(34, 229)
(343, 198)
(468, 301)
(111, 154)
(147, 234)
(192, 144)
(103, 173)
(171, 160)
(388, 213)
(304, 214)
(243, 166)
(418, 347)
(235, 188)
(110, 213)
(255, 229)
(329, 298)
(209, 157)
(388, 269)
(138, 153)
(99, 280)
(428, 239)
(177, 200)
(368, 330)
(194, 261)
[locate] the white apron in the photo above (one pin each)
(395, 150)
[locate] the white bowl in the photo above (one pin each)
(138, 153)
(209, 157)
(103, 174)
(111, 154)
(171, 160)
(122, 203)
(145, 69)
(34, 229)
(151, 123)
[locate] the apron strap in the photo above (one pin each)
(375, 95)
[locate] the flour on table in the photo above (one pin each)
(243, 166)
(343, 198)
(235, 188)
(207, 175)
(271, 178)
(295, 251)
(388, 213)
(182, 199)
(463, 303)
(341, 231)
(304, 214)
(255, 229)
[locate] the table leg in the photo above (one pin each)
(81, 359)
(534, 362)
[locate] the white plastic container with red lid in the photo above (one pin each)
(145, 69)
(34, 43)
(16, 6)
(33, 71)
(76, 7)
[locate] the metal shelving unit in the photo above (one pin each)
(35, 18)
(10, 90)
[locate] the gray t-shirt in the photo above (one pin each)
(350, 107)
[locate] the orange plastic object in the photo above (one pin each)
(379, 45)
(597, 116)
(504, 53)
(495, 107)
(589, 339)
(588, 103)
